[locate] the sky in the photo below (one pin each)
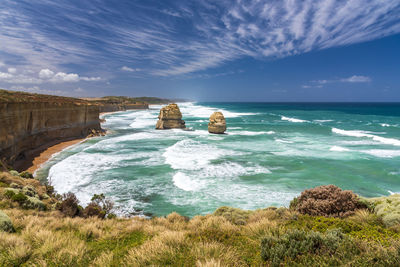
(203, 50)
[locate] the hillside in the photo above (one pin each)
(44, 233)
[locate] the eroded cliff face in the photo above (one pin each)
(170, 117)
(28, 125)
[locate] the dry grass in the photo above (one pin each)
(49, 239)
(229, 237)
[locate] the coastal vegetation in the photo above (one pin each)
(64, 234)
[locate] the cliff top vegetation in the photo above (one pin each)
(23, 97)
(128, 100)
(53, 236)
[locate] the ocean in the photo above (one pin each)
(270, 153)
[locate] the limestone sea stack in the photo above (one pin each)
(217, 124)
(170, 117)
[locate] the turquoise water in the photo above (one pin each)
(271, 153)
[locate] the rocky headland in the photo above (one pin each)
(217, 124)
(170, 117)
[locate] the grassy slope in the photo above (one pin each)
(229, 237)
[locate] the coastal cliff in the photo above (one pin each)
(31, 121)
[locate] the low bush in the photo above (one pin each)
(98, 207)
(9, 194)
(69, 205)
(234, 215)
(20, 198)
(326, 200)
(26, 174)
(294, 243)
(5, 223)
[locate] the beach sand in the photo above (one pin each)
(34, 160)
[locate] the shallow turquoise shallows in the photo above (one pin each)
(271, 153)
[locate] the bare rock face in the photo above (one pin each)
(170, 117)
(217, 124)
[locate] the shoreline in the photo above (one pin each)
(36, 161)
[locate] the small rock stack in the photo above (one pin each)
(170, 117)
(217, 124)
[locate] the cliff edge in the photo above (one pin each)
(31, 122)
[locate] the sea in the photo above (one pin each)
(270, 153)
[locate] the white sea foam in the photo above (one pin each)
(389, 125)
(250, 133)
(198, 111)
(186, 183)
(292, 119)
(191, 155)
(356, 133)
(339, 149)
(383, 153)
(321, 121)
(283, 141)
(143, 119)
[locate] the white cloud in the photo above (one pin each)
(46, 74)
(65, 77)
(5, 76)
(90, 79)
(125, 68)
(12, 70)
(357, 79)
(2, 64)
(61, 77)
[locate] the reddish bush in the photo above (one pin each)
(326, 200)
(69, 205)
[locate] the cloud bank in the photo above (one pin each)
(179, 37)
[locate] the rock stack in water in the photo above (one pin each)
(217, 124)
(170, 117)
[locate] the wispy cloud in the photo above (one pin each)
(357, 79)
(180, 37)
(351, 79)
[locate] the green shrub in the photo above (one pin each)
(294, 243)
(234, 215)
(20, 198)
(366, 232)
(33, 203)
(26, 174)
(9, 194)
(98, 207)
(14, 173)
(387, 207)
(5, 223)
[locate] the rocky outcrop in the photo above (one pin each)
(31, 121)
(170, 117)
(217, 124)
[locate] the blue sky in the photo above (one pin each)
(204, 50)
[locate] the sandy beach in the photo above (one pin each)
(34, 161)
